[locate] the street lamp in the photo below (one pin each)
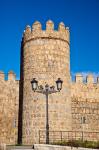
(46, 91)
(34, 83)
(59, 84)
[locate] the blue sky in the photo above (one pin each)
(82, 16)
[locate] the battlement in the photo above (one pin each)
(2, 76)
(36, 31)
(89, 79)
(11, 76)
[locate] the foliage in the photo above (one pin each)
(18, 144)
(79, 143)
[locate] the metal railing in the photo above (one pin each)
(57, 136)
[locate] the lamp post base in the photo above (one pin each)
(47, 134)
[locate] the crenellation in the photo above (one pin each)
(28, 29)
(11, 76)
(90, 79)
(49, 33)
(61, 27)
(27, 32)
(49, 26)
(79, 78)
(2, 75)
(36, 26)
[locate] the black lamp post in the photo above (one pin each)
(46, 91)
(83, 121)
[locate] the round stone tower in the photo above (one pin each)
(46, 57)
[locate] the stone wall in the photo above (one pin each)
(9, 98)
(46, 58)
(45, 55)
(85, 105)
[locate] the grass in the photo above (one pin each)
(79, 143)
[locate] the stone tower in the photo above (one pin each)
(45, 56)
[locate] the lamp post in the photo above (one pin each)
(46, 90)
(83, 121)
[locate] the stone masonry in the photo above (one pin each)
(45, 55)
(85, 104)
(9, 99)
(46, 58)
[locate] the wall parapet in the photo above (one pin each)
(88, 79)
(36, 31)
(11, 76)
(2, 75)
